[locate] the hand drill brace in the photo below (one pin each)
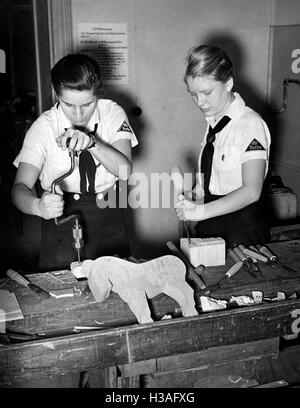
(78, 242)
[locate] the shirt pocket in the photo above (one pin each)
(228, 159)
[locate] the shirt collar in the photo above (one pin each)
(234, 110)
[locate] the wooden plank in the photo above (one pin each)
(204, 358)
(59, 314)
(60, 356)
(233, 374)
(232, 366)
(218, 355)
(212, 330)
(131, 344)
(285, 232)
(140, 367)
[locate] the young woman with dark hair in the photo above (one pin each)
(98, 133)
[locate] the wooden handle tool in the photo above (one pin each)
(254, 254)
(23, 281)
(234, 269)
(273, 258)
(240, 256)
(231, 272)
(233, 256)
(190, 271)
(265, 251)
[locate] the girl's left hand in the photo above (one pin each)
(189, 211)
(78, 140)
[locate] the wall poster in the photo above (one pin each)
(108, 45)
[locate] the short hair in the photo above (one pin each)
(207, 60)
(77, 72)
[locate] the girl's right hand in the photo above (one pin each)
(51, 206)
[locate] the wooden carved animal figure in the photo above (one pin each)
(135, 282)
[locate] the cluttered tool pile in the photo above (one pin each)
(227, 278)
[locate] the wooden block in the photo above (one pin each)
(204, 251)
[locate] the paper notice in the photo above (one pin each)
(108, 45)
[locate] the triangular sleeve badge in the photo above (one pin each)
(254, 145)
(125, 127)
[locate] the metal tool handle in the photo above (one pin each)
(58, 180)
(17, 277)
(255, 255)
(63, 176)
(234, 269)
(265, 251)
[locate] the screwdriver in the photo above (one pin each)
(273, 258)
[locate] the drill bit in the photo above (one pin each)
(77, 238)
(186, 224)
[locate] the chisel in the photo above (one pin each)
(273, 258)
(251, 258)
(237, 255)
(251, 251)
(23, 281)
(231, 272)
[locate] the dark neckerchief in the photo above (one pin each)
(208, 151)
(87, 167)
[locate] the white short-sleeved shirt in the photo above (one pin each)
(41, 150)
(246, 137)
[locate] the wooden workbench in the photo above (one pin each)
(174, 352)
